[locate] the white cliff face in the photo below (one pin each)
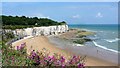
(28, 31)
(36, 31)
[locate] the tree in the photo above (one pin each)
(16, 21)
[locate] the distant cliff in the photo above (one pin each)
(34, 31)
(16, 28)
(45, 30)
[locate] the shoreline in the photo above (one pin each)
(91, 60)
(106, 57)
(53, 48)
(100, 46)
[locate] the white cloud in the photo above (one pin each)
(76, 16)
(99, 15)
(39, 15)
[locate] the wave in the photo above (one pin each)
(112, 40)
(103, 47)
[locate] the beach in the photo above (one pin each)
(39, 43)
(95, 56)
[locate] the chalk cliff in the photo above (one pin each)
(45, 30)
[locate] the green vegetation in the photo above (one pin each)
(82, 34)
(7, 36)
(15, 22)
(82, 41)
(19, 57)
(12, 57)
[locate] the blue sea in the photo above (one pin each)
(106, 35)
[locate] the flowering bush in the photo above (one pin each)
(42, 59)
(19, 57)
(21, 47)
(11, 57)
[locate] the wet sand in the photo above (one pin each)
(95, 55)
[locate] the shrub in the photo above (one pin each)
(19, 57)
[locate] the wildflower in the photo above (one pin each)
(80, 65)
(37, 61)
(33, 53)
(20, 48)
(17, 47)
(57, 60)
(43, 62)
(53, 58)
(38, 57)
(74, 56)
(23, 45)
(49, 57)
(62, 59)
(63, 65)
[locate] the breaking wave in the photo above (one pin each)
(103, 47)
(112, 40)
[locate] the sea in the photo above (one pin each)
(105, 37)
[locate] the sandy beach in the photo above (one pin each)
(42, 42)
(39, 43)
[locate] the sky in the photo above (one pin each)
(60, 0)
(71, 12)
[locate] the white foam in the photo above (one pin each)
(112, 40)
(101, 31)
(95, 35)
(103, 47)
(78, 45)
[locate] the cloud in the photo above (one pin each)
(76, 16)
(99, 15)
(39, 15)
